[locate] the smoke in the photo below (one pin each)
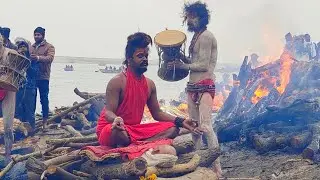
(258, 26)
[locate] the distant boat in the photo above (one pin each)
(110, 71)
(68, 68)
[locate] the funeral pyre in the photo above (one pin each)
(57, 152)
(274, 106)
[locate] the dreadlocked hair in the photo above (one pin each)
(200, 10)
(134, 42)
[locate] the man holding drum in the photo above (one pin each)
(8, 100)
(201, 63)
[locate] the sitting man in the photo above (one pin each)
(126, 96)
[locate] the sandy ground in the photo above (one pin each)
(238, 162)
(241, 162)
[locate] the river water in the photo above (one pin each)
(85, 78)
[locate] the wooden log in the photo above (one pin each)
(314, 146)
(176, 170)
(301, 141)
(74, 123)
(85, 112)
(33, 176)
(71, 130)
(199, 174)
(81, 145)
(72, 156)
(183, 144)
(89, 131)
(72, 165)
(74, 140)
(54, 172)
(61, 150)
(36, 166)
(58, 116)
(83, 174)
(83, 108)
(265, 143)
(71, 115)
(83, 120)
(128, 170)
(207, 156)
(23, 158)
(86, 95)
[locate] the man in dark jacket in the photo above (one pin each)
(43, 52)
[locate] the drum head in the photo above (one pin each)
(170, 38)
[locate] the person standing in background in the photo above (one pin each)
(43, 52)
(26, 96)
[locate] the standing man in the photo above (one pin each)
(6, 35)
(26, 96)
(8, 101)
(43, 52)
(201, 63)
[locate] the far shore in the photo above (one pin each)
(117, 61)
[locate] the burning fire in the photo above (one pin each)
(260, 92)
(280, 83)
(285, 72)
(218, 101)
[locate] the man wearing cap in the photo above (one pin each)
(43, 52)
(6, 34)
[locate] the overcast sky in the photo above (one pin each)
(99, 28)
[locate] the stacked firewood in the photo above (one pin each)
(287, 119)
(70, 129)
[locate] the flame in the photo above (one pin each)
(285, 72)
(260, 92)
(218, 101)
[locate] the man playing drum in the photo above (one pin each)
(8, 99)
(201, 63)
(127, 94)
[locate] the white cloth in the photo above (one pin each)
(160, 160)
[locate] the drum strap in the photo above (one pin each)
(194, 40)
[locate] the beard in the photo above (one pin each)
(142, 70)
(191, 28)
(142, 67)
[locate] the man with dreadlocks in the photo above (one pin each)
(126, 96)
(201, 64)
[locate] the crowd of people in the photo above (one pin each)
(22, 104)
(129, 91)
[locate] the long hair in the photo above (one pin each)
(134, 42)
(200, 10)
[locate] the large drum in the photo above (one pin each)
(13, 71)
(170, 45)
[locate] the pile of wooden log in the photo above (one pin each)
(69, 130)
(287, 119)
